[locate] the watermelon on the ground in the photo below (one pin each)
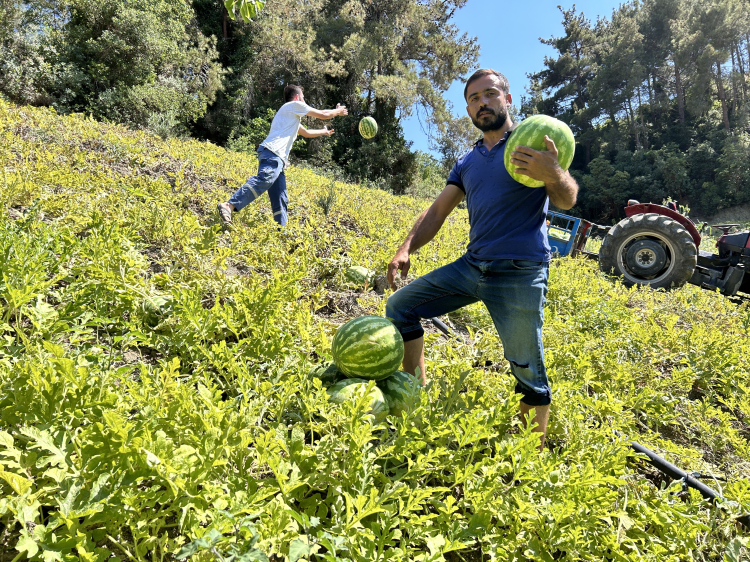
(401, 391)
(369, 347)
(368, 127)
(531, 133)
(328, 373)
(350, 390)
(157, 308)
(360, 275)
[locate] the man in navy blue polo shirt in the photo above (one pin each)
(507, 260)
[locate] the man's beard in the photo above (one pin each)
(495, 124)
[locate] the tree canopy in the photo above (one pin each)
(657, 97)
(656, 94)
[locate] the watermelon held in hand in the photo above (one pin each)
(401, 391)
(328, 373)
(531, 133)
(369, 347)
(351, 390)
(368, 127)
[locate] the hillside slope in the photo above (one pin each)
(154, 384)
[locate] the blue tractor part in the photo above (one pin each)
(567, 235)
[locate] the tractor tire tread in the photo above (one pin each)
(679, 237)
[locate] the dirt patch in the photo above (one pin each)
(16, 213)
(131, 356)
(341, 305)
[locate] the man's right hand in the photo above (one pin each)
(400, 261)
(342, 109)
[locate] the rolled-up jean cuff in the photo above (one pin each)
(531, 398)
(413, 335)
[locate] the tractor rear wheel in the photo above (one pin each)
(649, 249)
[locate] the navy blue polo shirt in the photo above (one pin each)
(507, 219)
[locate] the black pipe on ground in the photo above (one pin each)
(678, 474)
(440, 325)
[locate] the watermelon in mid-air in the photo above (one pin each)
(369, 347)
(350, 390)
(531, 133)
(401, 391)
(368, 127)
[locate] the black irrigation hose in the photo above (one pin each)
(678, 474)
(440, 325)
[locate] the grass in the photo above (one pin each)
(156, 403)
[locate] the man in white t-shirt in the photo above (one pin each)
(274, 152)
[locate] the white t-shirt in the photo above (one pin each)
(284, 128)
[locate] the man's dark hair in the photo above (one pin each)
(290, 91)
(487, 72)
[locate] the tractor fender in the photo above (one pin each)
(643, 208)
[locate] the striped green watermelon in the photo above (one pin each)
(157, 308)
(401, 391)
(360, 275)
(328, 373)
(369, 347)
(531, 133)
(349, 390)
(368, 127)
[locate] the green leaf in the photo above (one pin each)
(66, 506)
(55, 350)
(51, 555)
(6, 440)
(253, 555)
(19, 484)
(229, 5)
(298, 549)
(247, 11)
(27, 544)
(435, 544)
(733, 552)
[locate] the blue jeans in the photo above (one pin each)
(271, 178)
(514, 292)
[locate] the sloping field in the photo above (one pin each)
(154, 385)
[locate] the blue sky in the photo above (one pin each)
(498, 24)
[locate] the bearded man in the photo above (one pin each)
(506, 264)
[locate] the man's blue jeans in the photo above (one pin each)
(514, 292)
(271, 178)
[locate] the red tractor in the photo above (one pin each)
(657, 245)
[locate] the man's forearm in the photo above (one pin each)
(425, 228)
(329, 113)
(313, 133)
(564, 192)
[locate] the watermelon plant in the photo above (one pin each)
(208, 438)
(369, 347)
(530, 132)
